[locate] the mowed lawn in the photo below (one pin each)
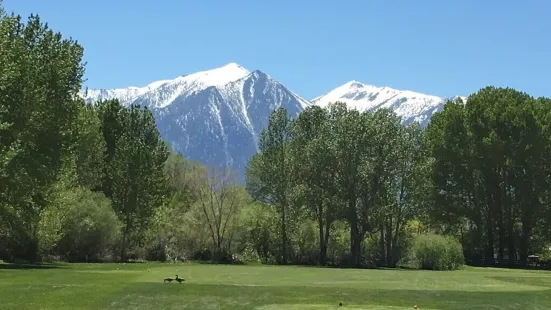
(140, 286)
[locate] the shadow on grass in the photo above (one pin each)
(200, 296)
(15, 266)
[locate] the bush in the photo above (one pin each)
(89, 228)
(338, 246)
(434, 252)
(306, 243)
(371, 250)
(259, 242)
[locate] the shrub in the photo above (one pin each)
(371, 250)
(259, 242)
(306, 243)
(338, 246)
(434, 252)
(89, 228)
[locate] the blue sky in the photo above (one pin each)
(438, 47)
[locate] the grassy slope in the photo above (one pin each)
(140, 286)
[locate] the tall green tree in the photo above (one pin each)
(136, 174)
(40, 77)
(313, 169)
(112, 116)
(89, 148)
(269, 175)
(491, 171)
(400, 175)
(348, 143)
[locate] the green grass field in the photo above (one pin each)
(140, 286)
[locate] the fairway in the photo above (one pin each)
(140, 286)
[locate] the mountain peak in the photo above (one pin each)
(257, 74)
(354, 84)
(218, 76)
(410, 106)
(232, 65)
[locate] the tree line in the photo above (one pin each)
(333, 186)
(479, 173)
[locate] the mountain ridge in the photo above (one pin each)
(216, 116)
(410, 105)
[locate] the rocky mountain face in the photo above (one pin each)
(216, 116)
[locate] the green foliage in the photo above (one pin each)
(89, 148)
(135, 160)
(491, 173)
(306, 243)
(338, 246)
(261, 226)
(435, 252)
(40, 76)
(364, 168)
(90, 226)
(270, 174)
(60, 198)
(333, 186)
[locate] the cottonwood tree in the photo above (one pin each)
(136, 174)
(491, 168)
(402, 170)
(40, 76)
(313, 169)
(112, 115)
(269, 175)
(89, 148)
(348, 138)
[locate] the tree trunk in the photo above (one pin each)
(501, 247)
(124, 240)
(395, 244)
(326, 238)
(382, 251)
(283, 236)
(355, 241)
(490, 240)
(354, 246)
(525, 240)
(323, 249)
(511, 248)
(388, 239)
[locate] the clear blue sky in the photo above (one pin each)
(439, 47)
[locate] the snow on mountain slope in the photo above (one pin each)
(162, 93)
(216, 116)
(213, 116)
(411, 106)
(221, 126)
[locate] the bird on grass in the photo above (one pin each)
(415, 307)
(340, 304)
(180, 280)
(168, 280)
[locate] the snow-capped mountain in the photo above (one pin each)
(162, 93)
(411, 106)
(213, 116)
(216, 116)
